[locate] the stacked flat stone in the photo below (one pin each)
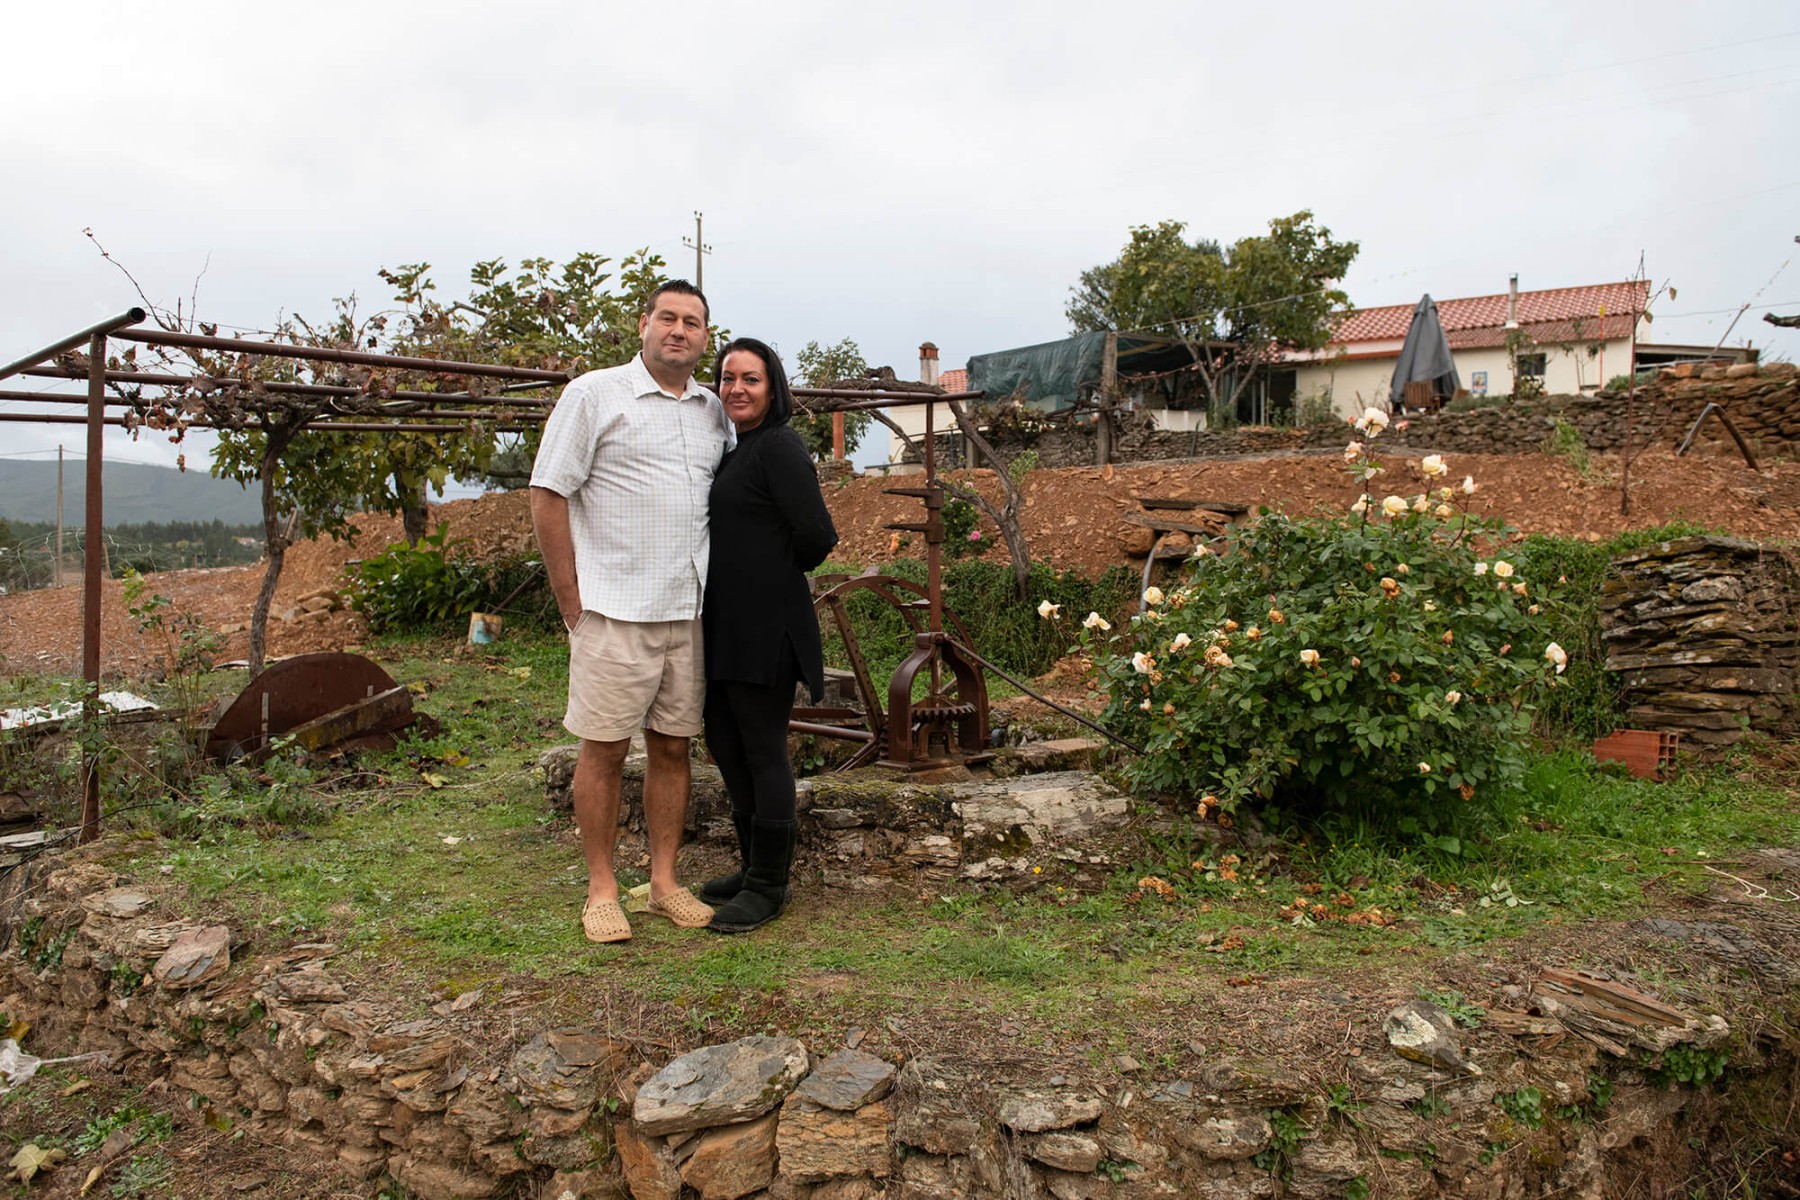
(1703, 635)
(1763, 401)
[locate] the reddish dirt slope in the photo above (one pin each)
(1072, 518)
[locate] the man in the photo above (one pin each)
(618, 502)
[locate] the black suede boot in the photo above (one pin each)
(765, 879)
(717, 891)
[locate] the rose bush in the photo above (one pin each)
(1334, 661)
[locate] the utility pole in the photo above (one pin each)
(59, 464)
(700, 248)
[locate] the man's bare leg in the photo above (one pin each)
(598, 779)
(666, 780)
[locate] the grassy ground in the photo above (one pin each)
(438, 868)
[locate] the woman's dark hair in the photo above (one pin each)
(781, 399)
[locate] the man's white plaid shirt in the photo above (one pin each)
(636, 465)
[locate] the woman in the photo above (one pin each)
(769, 528)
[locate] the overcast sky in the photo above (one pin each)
(889, 173)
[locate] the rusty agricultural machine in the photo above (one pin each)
(936, 704)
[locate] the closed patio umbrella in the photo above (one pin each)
(1425, 355)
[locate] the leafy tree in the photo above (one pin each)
(1237, 309)
(819, 366)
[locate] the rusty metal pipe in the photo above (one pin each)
(130, 316)
(196, 341)
(93, 520)
(841, 732)
(152, 379)
(1067, 712)
(341, 426)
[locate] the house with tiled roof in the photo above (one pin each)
(1563, 340)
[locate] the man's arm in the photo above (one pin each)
(550, 523)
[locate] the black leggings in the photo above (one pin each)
(746, 731)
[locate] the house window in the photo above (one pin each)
(1531, 366)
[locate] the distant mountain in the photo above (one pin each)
(133, 492)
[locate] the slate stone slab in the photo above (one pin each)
(1424, 1033)
(720, 1085)
(194, 958)
(848, 1080)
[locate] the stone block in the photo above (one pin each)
(733, 1160)
(718, 1085)
(817, 1143)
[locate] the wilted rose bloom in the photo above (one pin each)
(1393, 677)
(1142, 663)
(1309, 658)
(1153, 595)
(1276, 617)
(1253, 633)
(1216, 657)
(1049, 611)
(1168, 709)
(1468, 485)
(1519, 588)
(1533, 610)
(1444, 512)
(1145, 706)
(1444, 493)
(1430, 606)
(1095, 621)
(1353, 451)
(1453, 698)
(1420, 503)
(1557, 655)
(1402, 569)
(1355, 662)
(1230, 626)
(1433, 466)
(1394, 506)
(1503, 569)
(1181, 642)
(1389, 587)
(1202, 550)
(1481, 569)
(1424, 768)
(1449, 637)
(1362, 504)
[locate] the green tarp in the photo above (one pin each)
(1055, 375)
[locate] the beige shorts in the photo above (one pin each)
(630, 675)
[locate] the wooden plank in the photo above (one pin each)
(1227, 507)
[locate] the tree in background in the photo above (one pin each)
(819, 366)
(1237, 310)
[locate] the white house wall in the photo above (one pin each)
(1359, 382)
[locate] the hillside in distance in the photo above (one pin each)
(133, 492)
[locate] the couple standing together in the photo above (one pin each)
(677, 527)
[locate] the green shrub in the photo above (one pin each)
(1565, 440)
(980, 593)
(437, 583)
(1339, 662)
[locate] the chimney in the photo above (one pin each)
(1512, 303)
(928, 371)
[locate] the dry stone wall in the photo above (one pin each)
(1704, 634)
(1763, 401)
(462, 1102)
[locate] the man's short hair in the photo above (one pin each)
(680, 287)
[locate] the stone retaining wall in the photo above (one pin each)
(463, 1103)
(1704, 634)
(1764, 402)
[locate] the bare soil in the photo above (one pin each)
(1073, 518)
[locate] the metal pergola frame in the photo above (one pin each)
(408, 412)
